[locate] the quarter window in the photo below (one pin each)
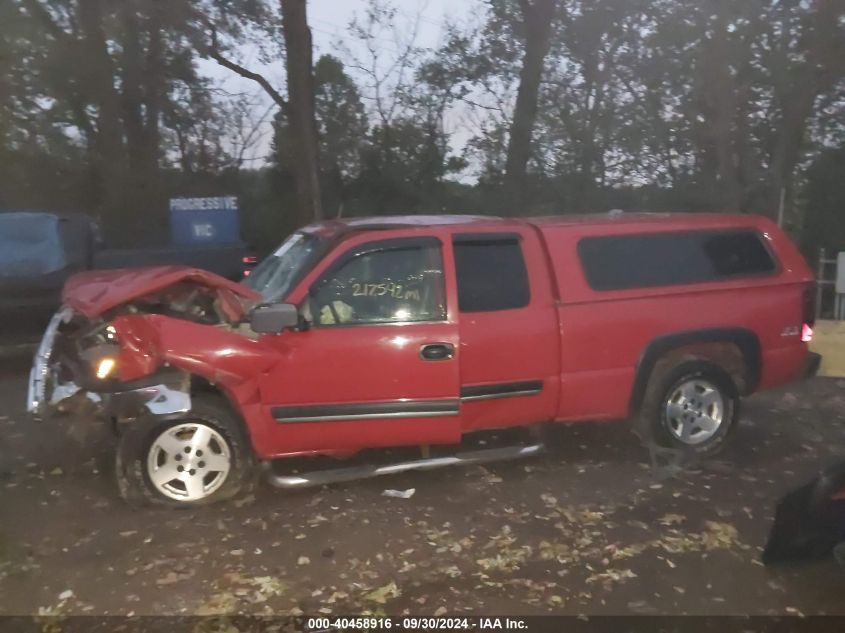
(621, 262)
(389, 283)
(491, 273)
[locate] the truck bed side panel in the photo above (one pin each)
(604, 333)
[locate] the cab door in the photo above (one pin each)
(510, 338)
(379, 365)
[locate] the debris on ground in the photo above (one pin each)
(399, 494)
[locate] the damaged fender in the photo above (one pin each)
(225, 359)
(158, 323)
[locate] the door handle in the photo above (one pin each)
(437, 351)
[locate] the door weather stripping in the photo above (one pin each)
(338, 475)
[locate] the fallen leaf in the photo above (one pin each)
(549, 500)
(384, 593)
(168, 579)
(671, 519)
(242, 502)
(615, 575)
(220, 603)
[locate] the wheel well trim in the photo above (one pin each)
(746, 341)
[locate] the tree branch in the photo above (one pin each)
(214, 53)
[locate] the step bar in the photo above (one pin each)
(354, 473)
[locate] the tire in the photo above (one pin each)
(200, 459)
(693, 407)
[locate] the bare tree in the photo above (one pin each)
(389, 59)
(298, 107)
(246, 122)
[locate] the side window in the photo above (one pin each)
(491, 273)
(621, 262)
(738, 254)
(396, 281)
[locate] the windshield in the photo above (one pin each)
(30, 245)
(274, 277)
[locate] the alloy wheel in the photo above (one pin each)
(694, 411)
(188, 462)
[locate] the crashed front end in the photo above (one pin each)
(80, 365)
(74, 372)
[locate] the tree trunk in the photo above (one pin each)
(787, 149)
(132, 95)
(720, 91)
(99, 78)
(537, 18)
(301, 119)
(155, 89)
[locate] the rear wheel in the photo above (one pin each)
(692, 407)
(200, 459)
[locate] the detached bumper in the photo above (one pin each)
(814, 362)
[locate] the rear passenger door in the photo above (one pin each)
(509, 339)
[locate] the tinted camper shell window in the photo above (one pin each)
(624, 262)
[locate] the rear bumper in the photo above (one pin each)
(814, 362)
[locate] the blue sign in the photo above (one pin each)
(195, 221)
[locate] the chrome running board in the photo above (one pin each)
(337, 475)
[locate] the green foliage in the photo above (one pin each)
(341, 119)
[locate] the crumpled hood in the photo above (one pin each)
(95, 292)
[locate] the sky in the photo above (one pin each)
(329, 21)
(329, 18)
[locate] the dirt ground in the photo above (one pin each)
(584, 528)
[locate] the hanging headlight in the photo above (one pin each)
(104, 367)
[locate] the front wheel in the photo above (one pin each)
(693, 407)
(200, 459)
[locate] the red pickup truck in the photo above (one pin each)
(413, 331)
